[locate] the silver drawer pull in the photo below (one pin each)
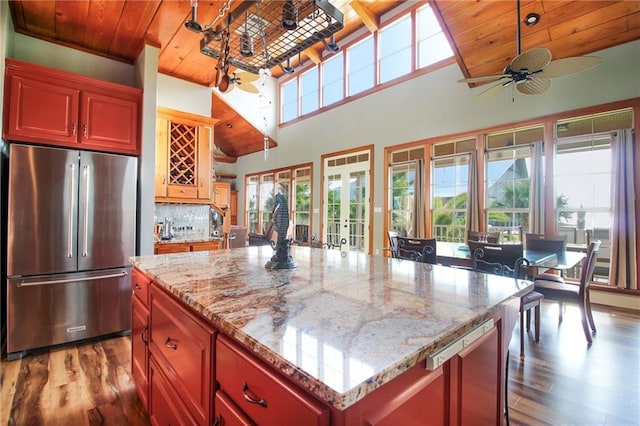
(260, 402)
(170, 344)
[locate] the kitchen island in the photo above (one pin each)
(343, 339)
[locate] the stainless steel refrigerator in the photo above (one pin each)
(70, 232)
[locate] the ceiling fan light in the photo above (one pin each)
(289, 15)
(531, 19)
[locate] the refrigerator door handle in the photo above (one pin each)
(85, 219)
(72, 170)
(72, 280)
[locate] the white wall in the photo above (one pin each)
(433, 105)
(184, 96)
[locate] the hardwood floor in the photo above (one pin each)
(562, 381)
(88, 384)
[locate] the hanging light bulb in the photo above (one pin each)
(289, 15)
(246, 41)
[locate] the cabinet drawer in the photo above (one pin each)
(228, 413)
(183, 346)
(182, 191)
(164, 407)
(262, 394)
(139, 349)
(210, 245)
(171, 248)
(140, 286)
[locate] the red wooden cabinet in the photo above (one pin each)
(182, 346)
(228, 413)
(260, 393)
(52, 107)
(164, 407)
(140, 334)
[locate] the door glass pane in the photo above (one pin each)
(302, 216)
(252, 204)
(357, 210)
(402, 196)
(334, 202)
(266, 198)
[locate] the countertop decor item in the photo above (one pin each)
(282, 259)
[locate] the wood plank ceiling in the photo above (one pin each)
(483, 33)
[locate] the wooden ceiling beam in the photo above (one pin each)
(314, 55)
(366, 15)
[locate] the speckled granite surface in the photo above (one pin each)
(341, 325)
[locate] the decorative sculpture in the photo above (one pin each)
(280, 215)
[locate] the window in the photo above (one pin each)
(309, 91)
(289, 100)
(260, 194)
(449, 189)
(508, 179)
(402, 45)
(402, 180)
(333, 79)
(432, 44)
(395, 49)
(360, 66)
(582, 177)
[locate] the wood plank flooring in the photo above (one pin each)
(562, 381)
(87, 384)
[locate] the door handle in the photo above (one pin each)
(72, 280)
(85, 223)
(72, 171)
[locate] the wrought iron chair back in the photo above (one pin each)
(417, 249)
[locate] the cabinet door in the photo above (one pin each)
(222, 194)
(41, 111)
(205, 138)
(233, 207)
(162, 156)
(164, 407)
(183, 347)
(109, 123)
(475, 383)
(140, 348)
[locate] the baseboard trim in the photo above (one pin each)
(614, 299)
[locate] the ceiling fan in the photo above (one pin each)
(242, 81)
(531, 72)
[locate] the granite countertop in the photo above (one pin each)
(340, 324)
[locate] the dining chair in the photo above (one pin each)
(492, 237)
(556, 288)
(508, 260)
(393, 242)
(417, 249)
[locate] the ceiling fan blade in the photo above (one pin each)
(534, 86)
(483, 78)
(249, 88)
(566, 66)
(493, 89)
(247, 77)
(532, 60)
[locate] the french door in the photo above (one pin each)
(346, 202)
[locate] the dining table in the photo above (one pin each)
(458, 254)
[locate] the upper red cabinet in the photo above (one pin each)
(52, 107)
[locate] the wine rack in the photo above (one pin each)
(182, 154)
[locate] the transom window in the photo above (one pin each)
(402, 46)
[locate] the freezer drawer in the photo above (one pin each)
(49, 310)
